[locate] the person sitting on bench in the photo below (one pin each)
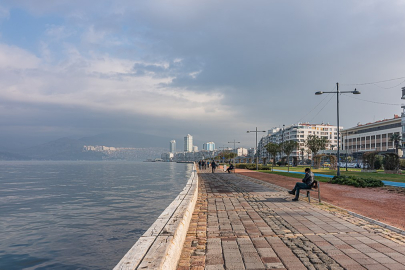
(306, 184)
(230, 168)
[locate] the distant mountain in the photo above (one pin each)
(127, 139)
(12, 156)
(147, 147)
(61, 149)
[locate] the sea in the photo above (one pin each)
(80, 214)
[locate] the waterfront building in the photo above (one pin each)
(188, 143)
(167, 157)
(372, 136)
(403, 120)
(172, 146)
(195, 148)
(241, 152)
(209, 146)
(251, 152)
(299, 133)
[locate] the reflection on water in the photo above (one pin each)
(80, 215)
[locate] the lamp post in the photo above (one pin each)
(337, 92)
(282, 144)
(234, 148)
(257, 155)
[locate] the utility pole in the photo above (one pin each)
(257, 154)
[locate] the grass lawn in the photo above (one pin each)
(299, 176)
(351, 171)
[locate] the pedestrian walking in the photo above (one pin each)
(213, 166)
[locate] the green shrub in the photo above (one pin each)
(402, 164)
(391, 161)
(378, 163)
(356, 181)
(265, 168)
(241, 166)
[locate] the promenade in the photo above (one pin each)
(244, 223)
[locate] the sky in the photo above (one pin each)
(212, 69)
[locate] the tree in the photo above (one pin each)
(288, 147)
(302, 154)
(315, 143)
(369, 159)
(226, 155)
(273, 149)
(396, 138)
(391, 162)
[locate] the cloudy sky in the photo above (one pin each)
(214, 69)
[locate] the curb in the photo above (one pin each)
(161, 245)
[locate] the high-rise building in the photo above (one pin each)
(299, 133)
(172, 146)
(209, 146)
(188, 143)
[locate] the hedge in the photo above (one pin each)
(356, 181)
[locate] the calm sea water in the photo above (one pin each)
(80, 215)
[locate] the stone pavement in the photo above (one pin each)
(244, 223)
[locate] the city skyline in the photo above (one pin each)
(213, 69)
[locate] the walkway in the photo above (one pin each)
(244, 223)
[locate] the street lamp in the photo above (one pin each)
(337, 92)
(257, 155)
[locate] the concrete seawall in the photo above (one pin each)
(161, 245)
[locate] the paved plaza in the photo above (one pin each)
(243, 223)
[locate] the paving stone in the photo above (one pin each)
(243, 223)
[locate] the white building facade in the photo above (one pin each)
(241, 152)
(299, 133)
(372, 136)
(209, 146)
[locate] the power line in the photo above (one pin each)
(313, 109)
(326, 96)
(376, 102)
(331, 96)
(375, 83)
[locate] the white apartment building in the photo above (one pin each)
(209, 146)
(195, 148)
(188, 143)
(299, 133)
(372, 136)
(403, 119)
(241, 152)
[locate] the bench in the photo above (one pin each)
(314, 187)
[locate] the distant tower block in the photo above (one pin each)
(188, 143)
(172, 146)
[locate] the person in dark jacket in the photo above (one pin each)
(306, 184)
(213, 166)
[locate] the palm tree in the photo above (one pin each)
(395, 138)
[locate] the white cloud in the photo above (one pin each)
(12, 57)
(58, 32)
(100, 82)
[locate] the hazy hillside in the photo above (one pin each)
(127, 139)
